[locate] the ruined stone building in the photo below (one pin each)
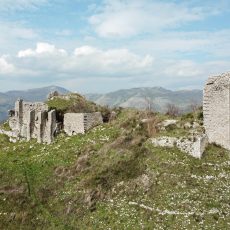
(32, 120)
(216, 109)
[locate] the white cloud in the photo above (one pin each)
(185, 73)
(183, 68)
(85, 61)
(41, 49)
(85, 51)
(15, 30)
(115, 67)
(5, 67)
(200, 44)
(125, 18)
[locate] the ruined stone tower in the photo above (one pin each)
(216, 109)
(33, 120)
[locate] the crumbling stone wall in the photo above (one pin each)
(92, 119)
(32, 120)
(75, 123)
(45, 126)
(216, 109)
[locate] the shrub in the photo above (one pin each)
(173, 110)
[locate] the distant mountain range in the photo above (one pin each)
(140, 98)
(8, 99)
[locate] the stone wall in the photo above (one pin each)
(75, 123)
(216, 109)
(92, 119)
(32, 120)
(45, 126)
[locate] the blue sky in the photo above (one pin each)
(105, 45)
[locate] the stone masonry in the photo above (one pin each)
(216, 109)
(32, 120)
(75, 123)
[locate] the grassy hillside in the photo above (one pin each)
(112, 178)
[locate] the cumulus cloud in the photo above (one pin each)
(85, 61)
(94, 67)
(112, 60)
(41, 49)
(128, 18)
(86, 51)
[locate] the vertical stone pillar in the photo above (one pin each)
(50, 126)
(30, 124)
(216, 110)
(19, 113)
(39, 127)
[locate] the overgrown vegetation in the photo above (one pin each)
(113, 178)
(75, 103)
(5, 126)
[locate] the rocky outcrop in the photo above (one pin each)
(13, 136)
(194, 145)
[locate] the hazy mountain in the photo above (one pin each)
(158, 97)
(38, 94)
(7, 99)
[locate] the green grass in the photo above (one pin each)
(75, 103)
(112, 178)
(5, 126)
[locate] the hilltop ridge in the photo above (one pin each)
(159, 97)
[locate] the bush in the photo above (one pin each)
(200, 115)
(75, 103)
(173, 110)
(187, 116)
(5, 126)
